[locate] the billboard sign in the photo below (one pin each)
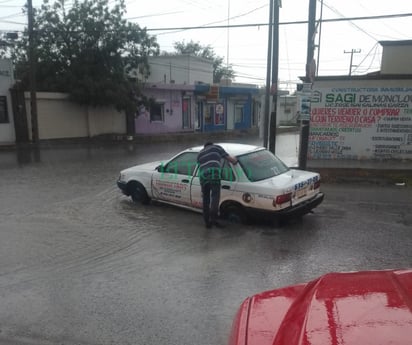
(361, 123)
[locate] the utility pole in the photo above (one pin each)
(32, 68)
(319, 35)
(353, 51)
(228, 31)
(275, 71)
(304, 132)
(268, 75)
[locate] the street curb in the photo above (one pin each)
(399, 177)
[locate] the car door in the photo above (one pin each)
(228, 183)
(171, 181)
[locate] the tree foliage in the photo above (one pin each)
(196, 49)
(88, 51)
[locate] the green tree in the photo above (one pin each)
(88, 51)
(196, 49)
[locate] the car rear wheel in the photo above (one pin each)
(139, 194)
(234, 214)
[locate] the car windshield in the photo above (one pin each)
(261, 165)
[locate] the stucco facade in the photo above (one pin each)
(186, 100)
(179, 69)
(173, 111)
(177, 105)
(396, 57)
(7, 133)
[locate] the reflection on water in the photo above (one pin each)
(287, 148)
(28, 155)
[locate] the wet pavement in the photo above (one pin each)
(80, 264)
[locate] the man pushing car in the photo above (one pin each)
(210, 173)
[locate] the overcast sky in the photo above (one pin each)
(246, 48)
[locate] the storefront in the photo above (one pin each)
(221, 108)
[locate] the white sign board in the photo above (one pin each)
(361, 123)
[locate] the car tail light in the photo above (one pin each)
(317, 184)
(281, 199)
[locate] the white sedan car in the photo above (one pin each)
(260, 184)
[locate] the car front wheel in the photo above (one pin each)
(138, 193)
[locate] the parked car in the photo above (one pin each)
(259, 184)
(354, 308)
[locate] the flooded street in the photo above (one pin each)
(80, 264)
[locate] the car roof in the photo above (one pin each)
(234, 149)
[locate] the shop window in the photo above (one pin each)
(4, 116)
(238, 113)
(157, 112)
(209, 112)
(186, 112)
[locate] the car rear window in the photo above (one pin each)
(260, 165)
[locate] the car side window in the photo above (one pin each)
(184, 164)
(227, 172)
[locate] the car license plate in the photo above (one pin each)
(301, 192)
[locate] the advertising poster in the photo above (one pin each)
(361, 123)
(220, 114)
(304, 97)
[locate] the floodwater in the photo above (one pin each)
(80, 264)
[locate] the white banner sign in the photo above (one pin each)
(361, 123)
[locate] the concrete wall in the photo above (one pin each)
(60, 118)
(172, 103)
(180, 69)
(396, 57)
(7, 133)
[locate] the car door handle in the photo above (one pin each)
(225, 186)
(185, 181)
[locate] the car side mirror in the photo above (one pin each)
(160, 168)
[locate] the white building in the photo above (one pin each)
(7, 133)
(180, 69)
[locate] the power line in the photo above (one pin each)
(208, 25)
(154, 15)
(387, 16)
(356, 26)
(18, 14)
(12, 22)
(367, 55)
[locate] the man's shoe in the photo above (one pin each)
(208, 225)
(218, 225)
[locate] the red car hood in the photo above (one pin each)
(359, 308)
